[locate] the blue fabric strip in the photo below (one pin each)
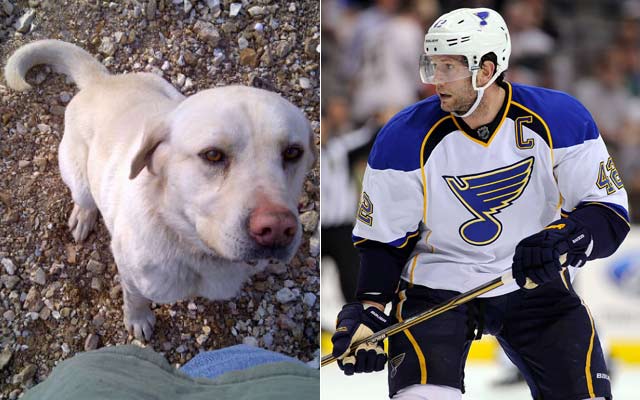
(210, 364)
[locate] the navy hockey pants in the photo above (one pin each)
(547, 332)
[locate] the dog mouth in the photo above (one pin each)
(257, 253)
(250, 252)
(239, 247)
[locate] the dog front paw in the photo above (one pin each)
(81, 222)
(140, 322)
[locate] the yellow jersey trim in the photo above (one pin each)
(422, 161)
(409, 237)
(413, 268)
(587, 368)
(604, 205)
(495, 132)
(359, 241)
(421, 360)
(546, 127)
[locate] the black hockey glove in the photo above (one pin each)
(356, 323)
(538, 256)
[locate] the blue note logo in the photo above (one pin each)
(483, 15)
(485, 195)
(394, 363)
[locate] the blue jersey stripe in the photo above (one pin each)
(569, 121)
(398, 143)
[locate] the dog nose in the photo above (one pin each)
(272, 225)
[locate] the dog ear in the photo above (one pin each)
(153, 136)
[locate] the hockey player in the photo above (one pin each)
(485, 177)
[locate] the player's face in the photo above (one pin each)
(456, 95)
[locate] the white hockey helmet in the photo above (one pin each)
(468, 32)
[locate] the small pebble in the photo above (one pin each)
(234, 9)
(25, 375)
(268, 339)
(242, 42)
(39, 277)
(180, 80)
(8, 266)
(277, 268)
(44, 128)
(24, 23)
(250, 341)
(91, 343)
(9, 281)
(187, 6)
(305, 83)
(285, 295)
(7, 7)
(5, 357)
(309, 299)
(95, 267)
(188, 84)
(9, 315)
(98, 320)
(201, 339)
(257, 11)
(96, 283)
(65, 97)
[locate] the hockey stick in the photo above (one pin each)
(460, 299)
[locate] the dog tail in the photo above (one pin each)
(65, 58)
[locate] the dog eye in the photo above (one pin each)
(213, 156)
(292, 153)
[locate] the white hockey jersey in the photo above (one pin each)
(472, 195)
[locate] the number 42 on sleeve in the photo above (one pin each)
(608, 177)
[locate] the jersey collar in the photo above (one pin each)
(485, 133)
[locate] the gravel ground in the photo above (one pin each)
(58, 298)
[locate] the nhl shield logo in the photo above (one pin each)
(395, 363)
(483, 132)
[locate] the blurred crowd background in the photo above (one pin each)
(370, 50)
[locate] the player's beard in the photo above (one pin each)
(465, 101)
(460, 102)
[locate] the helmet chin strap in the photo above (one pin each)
(480, 93)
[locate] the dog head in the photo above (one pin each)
(229, 164)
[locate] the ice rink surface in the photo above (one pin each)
(480, 378)
(480, 375)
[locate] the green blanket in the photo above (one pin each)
(130, 372)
